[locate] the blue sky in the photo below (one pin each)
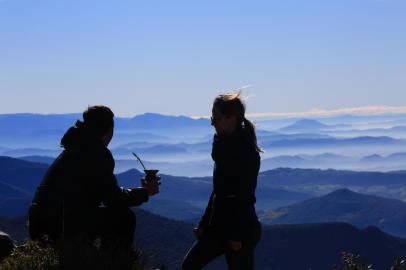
(173, 57)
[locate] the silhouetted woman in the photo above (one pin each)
(229, 225)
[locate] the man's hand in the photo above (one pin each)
(198, 232)
(151, 185)
(235, 245)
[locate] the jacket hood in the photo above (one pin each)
(79, 136)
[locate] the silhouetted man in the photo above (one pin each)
(79, 194)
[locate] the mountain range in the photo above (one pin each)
(276, 188)
(45, 131)
(175, 149)
(347, 206)
(161, 138)
(204, 167)
(19, 179)
(375, 162)
(320, 182)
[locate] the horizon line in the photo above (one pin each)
(316, 112)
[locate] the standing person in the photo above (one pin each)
(229, 225)
(79, 194)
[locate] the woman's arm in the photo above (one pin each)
(205, 220)
(240, 176)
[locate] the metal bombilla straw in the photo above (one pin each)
(150, 174)
(139, 160)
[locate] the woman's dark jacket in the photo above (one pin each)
(78, 182)
(231, 208)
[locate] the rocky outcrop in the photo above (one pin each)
(6, 245)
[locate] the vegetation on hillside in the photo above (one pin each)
(355, 262)
(73, 254)
(33, 255)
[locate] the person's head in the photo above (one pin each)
(99, 119)
(228, 114)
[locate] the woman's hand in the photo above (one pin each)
(198, 232)
(235, 245)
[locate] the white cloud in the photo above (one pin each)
(366, 110)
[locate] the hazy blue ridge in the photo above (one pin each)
(278, 187)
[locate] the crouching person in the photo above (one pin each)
(79, 194)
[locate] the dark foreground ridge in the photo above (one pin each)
(303, 246)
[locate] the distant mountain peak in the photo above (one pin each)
(304, 125)
(308, 123)
(374, 157)
(151, 115)
(160, 121)
(343, 191)
(132, 172)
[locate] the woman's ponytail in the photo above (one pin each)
(250, 133)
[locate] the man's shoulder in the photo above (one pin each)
(95, 154)
(99, 159)
(101, 153)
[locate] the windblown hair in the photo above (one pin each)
(99, 119)
(232, 104)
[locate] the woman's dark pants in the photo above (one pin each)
(212, 245)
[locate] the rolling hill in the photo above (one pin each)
(344, 205)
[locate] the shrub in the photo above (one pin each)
(355, 262)
(73, 254)
(29, 256)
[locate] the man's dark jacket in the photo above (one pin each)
(76, 185)
(231, 208)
